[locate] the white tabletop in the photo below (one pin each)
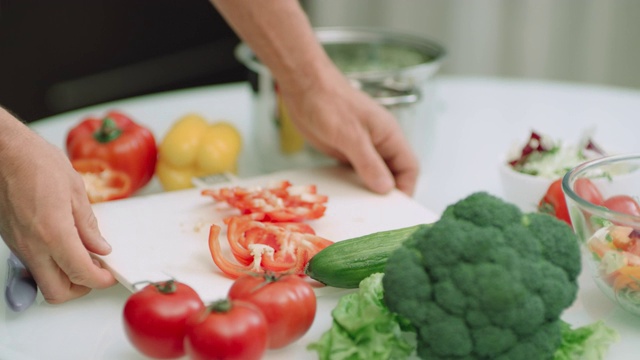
(466, 125)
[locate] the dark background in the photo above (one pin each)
(59, 55)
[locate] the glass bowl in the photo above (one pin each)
(602, 198)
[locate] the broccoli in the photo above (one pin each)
(486, 281)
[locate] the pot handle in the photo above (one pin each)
(390, 94)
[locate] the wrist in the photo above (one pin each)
(317, 75)
(12, 131)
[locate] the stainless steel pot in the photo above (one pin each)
(391, 67)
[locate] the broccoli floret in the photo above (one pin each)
(486, 281)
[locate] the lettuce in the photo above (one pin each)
(589, 342)
(363, 328)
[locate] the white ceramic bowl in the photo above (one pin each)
(521, 189)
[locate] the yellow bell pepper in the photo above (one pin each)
(194, 147)
(291, 141)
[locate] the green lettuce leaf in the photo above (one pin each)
(589, 342)
(363, 328)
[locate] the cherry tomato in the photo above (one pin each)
(288, 302)
(554, 203)
(227, 329)
(623, 204)
(155, 318)
(588, 191)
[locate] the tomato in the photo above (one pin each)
(623, 204)
(281, 202)
(155, 318)
(584, 188)
(116, 139)
(554, 203)
(227, 329)
(288, 303)
(102, 183)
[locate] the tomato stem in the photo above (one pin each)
(220, 306)
(108, 131)
(268, 277)
(167, 287)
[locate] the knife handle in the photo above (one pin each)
(21, 289)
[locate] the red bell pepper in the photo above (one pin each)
(120, 142)
(261, 247)
(281, 202)
(101, 182)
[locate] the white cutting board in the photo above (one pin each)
(162, 236)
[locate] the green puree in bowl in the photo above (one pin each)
(368, 57)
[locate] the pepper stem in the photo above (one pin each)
(108, 131)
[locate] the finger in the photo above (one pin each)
(392, 146)
(368, 163)
(54, 284)
(86, 222)
(403, 164)
(68, 271)
(78, 265)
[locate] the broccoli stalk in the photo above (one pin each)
(485, 282)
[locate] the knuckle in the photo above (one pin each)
(79, 278)
(59, 295)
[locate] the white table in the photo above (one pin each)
(468, 128)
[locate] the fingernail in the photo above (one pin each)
(107, 246)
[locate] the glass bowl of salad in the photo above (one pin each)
(603, 196)
(529, 169)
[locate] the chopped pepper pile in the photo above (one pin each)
(269, 235)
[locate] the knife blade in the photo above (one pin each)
(20, 289)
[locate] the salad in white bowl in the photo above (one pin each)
(529, 169)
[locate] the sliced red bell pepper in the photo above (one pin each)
(265, 247)
(281, 202)
(284, 238)
(262, 263)
(101, 182)
(227, 267)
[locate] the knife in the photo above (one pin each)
(21, 289)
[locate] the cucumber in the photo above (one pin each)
(345, 263)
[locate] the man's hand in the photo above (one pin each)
(45, 215)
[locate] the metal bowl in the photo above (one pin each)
(388, 65)
(375, 55)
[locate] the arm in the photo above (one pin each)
(331, 114)
(45, 216)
